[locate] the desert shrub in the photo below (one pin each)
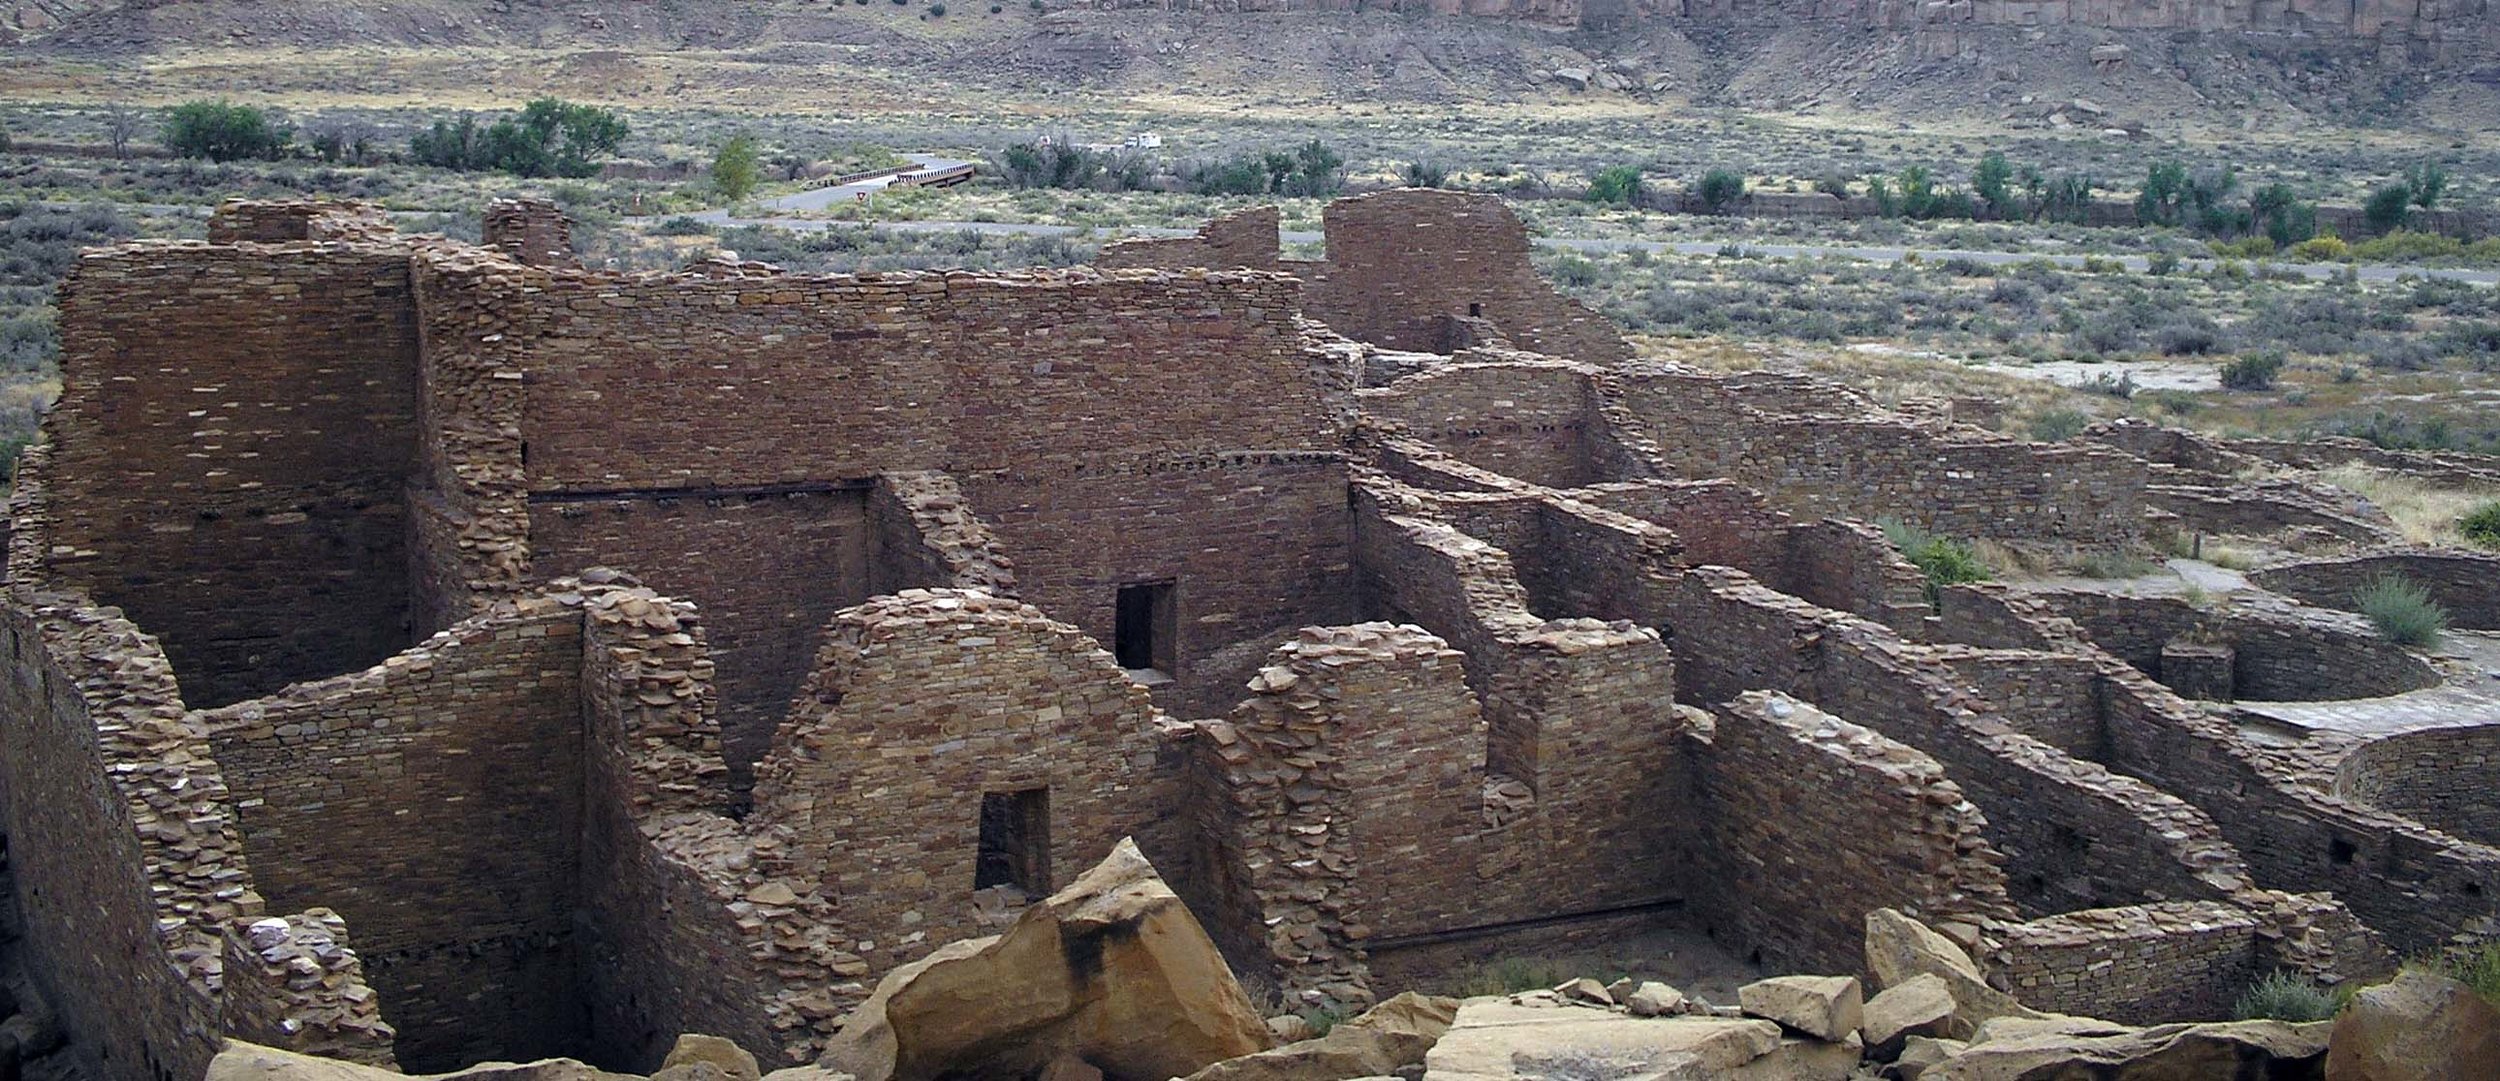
(2286, 996)
(548, 137)
(1944, 560)
(2404, 612)
(2393, 353)
(2322, 249)
(2481, 526)
(681, 225)
(1719, 189)
(1963, 266)
(2161, 263)
(2247, 247)
(2256, 371)
(2058, 425)
(2120, 386)
(2471, 339)
(937, 11)
(1619, 185)
(2194, 336)
(1576, 272)
(1833, 184)
(1425, 174)
(223, 131)
(1510, 976)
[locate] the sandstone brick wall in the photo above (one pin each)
(2051, 697)
(252, 221)
(434, 800)
(2086, 838)
(532, 231)
(1074, 409)
(927, 536)
(2440, 777)
(293, 983)
(1849, 566)
(1531, 420)
(2270, 508)
(1961, 482)
(229, 452)
(770, 568)
(2281, 652)
(923, 702)
(1402, 265)
(2142, 965)
(1243, 238)
(121, 840)
(2467, 584)
(1814, 821)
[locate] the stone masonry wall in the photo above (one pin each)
(1092, 420)
(2440, 777)
(1956, 481)
(1815, 821)
(532, 231)
(229, 453)
(2280, 651)
(1243, 238)
(121, 841)
(2467, 584)
(924, 702)
(769, 567)
(1404, 264)
(435, 801)
(293, 983)
(251, 221)
(1530, 421)
(927, 536)
(2144, 965)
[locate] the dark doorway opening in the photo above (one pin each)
(1475, 309)
(1015, 842)
(1143, 627)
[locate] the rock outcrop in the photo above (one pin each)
(1392, 1036)
(2419, 1027)
(1112, 971)
(2163, 1053)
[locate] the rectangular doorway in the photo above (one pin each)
(1144, 627)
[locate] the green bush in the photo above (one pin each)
(736, 168)
(548, 137)
(1720, 189)
(2161, 263)
(1425, 174)
(222, 131)
(2256, 371)
(1943, 560)
(2482, 527)
(2385, 210)
(2115, 565)
(2288, 996)
(2403, 611)
(2058, 425)
(1619, 185)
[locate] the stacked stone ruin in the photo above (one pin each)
(425, 653)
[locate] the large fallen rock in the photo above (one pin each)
(240, 1061)
(2204, 1052)
(1391, 1036)
(2419, 1027)
(1824, 1007)
(1113, 970)
(1496, 1039)
(1899, 948)
(1919, 1006)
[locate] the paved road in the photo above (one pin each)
(2368, 272)
(815, 199)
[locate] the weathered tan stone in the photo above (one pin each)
(1898, 948)
(1919, 1006)
(2419, 1027)
(1388, 1037)
(1112, 969)
(1493, 1040)
(2165, 1053)
(1824, 1007)
(732, 1059)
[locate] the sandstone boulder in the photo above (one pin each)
(732, 1060)
(240, 1061)
(1654, 1000)
(1824, 1007)
(1493, 1039)
(2204, 1052)
(1112, 970)
(1898, 948)
(1919, 1006)
(1392, 1036)
(2416, 1028)
(1575, 78)
(1918, 1054)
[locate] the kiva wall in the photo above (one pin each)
(2440, 777)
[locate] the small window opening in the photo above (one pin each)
(2340, 851)
(1475, 309)
(1144, 628)
(1015, 842)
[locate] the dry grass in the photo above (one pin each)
(2426, 513)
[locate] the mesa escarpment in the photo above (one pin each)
(565, 660)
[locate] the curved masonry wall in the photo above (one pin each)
(2440, 777)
